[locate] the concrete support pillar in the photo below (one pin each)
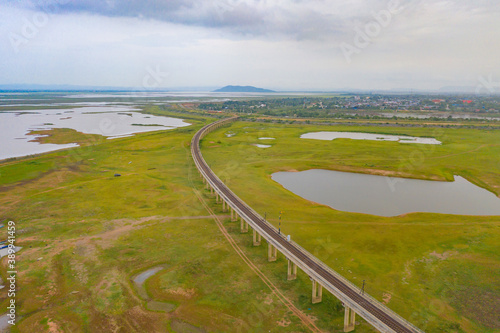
(349, 319)
(208, 186)
(317, 292)
(234, 215)
(292, 270)
(243, 226)
(224, 206)
(272, 253)
(216, 197)
(211, 190)
(256, 238)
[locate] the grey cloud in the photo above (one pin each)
(281, 43)
(296, 19)
(189, 12)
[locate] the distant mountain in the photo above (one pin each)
(240, 89)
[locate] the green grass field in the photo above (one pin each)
(440, 271)
(86, 233)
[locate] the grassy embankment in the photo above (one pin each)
(398, 122)
(85, 233)
(440, 271)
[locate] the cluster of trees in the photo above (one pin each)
(353, 106)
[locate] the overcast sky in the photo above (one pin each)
(277, 44)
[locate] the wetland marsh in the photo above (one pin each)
(93, 229)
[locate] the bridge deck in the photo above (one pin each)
(377, 314)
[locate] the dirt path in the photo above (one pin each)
(308, 322)
(106, 238)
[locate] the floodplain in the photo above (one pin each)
(86, 233)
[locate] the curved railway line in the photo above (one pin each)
(374, 312)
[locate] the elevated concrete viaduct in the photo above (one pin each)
(354, 300)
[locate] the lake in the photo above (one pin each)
(387, 196)
(109, 121)
(368, 136)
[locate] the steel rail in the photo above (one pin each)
(374, 312)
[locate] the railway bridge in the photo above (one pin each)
(353, 298)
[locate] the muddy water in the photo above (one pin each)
(110, 121)
(141, 290)
(387, 196)
(368, 136)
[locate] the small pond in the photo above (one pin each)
(368, 136)
(387, 196)
(151, 305)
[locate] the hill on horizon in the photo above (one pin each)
(243, 89)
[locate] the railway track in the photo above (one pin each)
(364, 305)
